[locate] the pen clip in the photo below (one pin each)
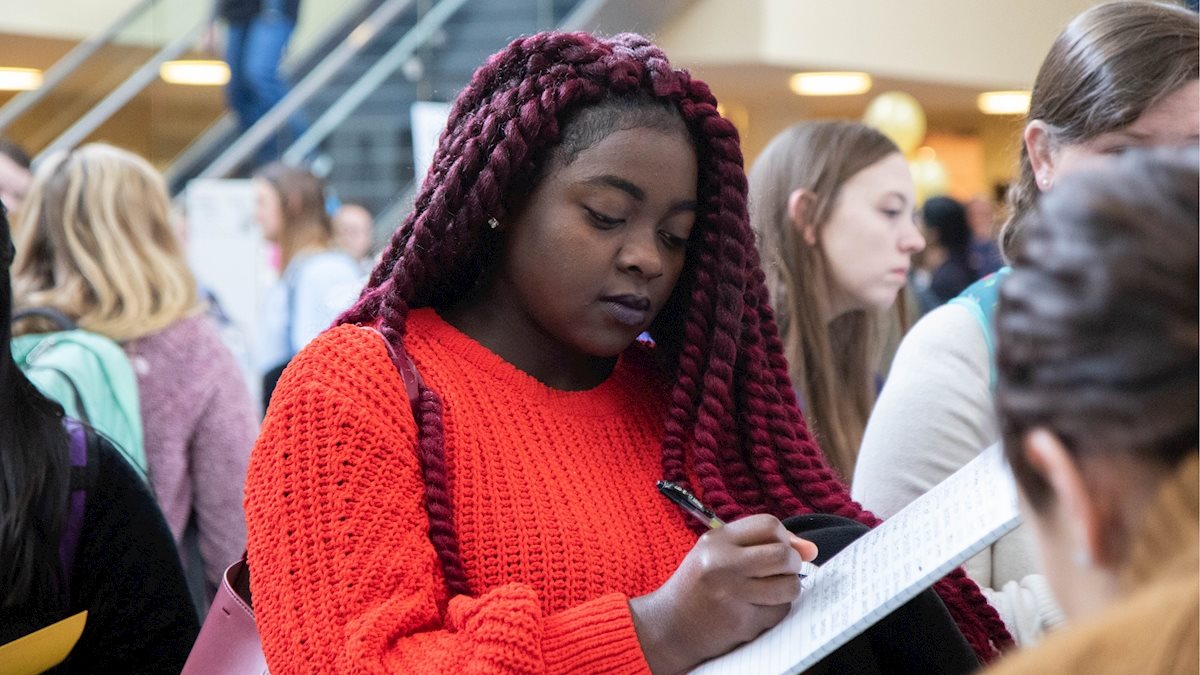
(688, 502)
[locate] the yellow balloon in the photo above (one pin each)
(899, 117)
(929, 178)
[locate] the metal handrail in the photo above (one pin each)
(395, 57)
(67, 65)
(576, 19)
(117, 99)
(233, 156)
(203, 144)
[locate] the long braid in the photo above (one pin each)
(731, 420)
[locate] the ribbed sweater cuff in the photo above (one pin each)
(597, 636)
(1049, 613)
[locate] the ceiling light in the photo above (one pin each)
(830, 84)
(195, 72)
(1003, 102)
(20, 79)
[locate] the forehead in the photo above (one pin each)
(659, 160)
(1173, 119)
(890, 173)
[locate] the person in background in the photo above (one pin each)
(490, 504)
(257, 36)
(318, 280)
(832, 203)
(1120, 75)
(70, 544)
(1097, 335)
(353, 226)
(947, 220)
(14, 176)
(95, 242)
(985, 251)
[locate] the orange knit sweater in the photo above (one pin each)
(555, 507)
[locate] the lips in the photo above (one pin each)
(630, 310)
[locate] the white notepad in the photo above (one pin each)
(885, 568)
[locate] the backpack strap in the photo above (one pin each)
(83, 449)
(981, 299)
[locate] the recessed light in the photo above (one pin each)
(830, 84)
(1015, 102)
(195, 72)
(20, 79)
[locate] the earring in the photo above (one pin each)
(493, 223)
(1045, 182)
(1082, 558)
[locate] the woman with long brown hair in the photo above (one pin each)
(832, 203)
(1120, 75)
(317, 279)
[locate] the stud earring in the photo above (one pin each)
(1045, 183)
(1082, 558)
(493, 223)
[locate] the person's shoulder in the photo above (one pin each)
(350, 358)
(328, 264)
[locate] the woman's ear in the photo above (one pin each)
(1039, 145)
(799, 207)
(1090, 523)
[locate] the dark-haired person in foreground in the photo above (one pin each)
(583, 193)
(1098, 360)
(110, 554)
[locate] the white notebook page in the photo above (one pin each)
(885, 568)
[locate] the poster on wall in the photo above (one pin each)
(232, 263)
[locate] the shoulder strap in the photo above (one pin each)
(84, 454)
(981, 299)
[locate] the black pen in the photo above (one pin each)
(688, 502)
(694, 507)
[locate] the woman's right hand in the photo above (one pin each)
(736, 582)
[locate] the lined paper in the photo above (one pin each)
(885, 568)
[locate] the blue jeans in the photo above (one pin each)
(253, 53)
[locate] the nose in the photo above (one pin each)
(639, 253)
(911, 239)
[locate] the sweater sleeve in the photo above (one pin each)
(128, 576)
(935, 414)
(218, 452)
(344, 575)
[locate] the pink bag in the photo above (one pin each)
(228, 642)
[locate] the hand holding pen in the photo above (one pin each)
(695, 508)
(739, 579)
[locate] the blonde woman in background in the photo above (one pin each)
(832, 203)
(95, 243)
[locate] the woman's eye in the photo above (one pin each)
(891, 213)
(672, 241)
(602, 220)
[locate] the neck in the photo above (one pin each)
(510, 333)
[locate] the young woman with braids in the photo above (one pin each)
(1120, 75)
(583, 192)
(1097, 394)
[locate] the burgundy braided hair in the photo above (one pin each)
(732, 411)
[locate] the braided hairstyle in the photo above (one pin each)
(731, 409)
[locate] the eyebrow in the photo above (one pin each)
(616, 182)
